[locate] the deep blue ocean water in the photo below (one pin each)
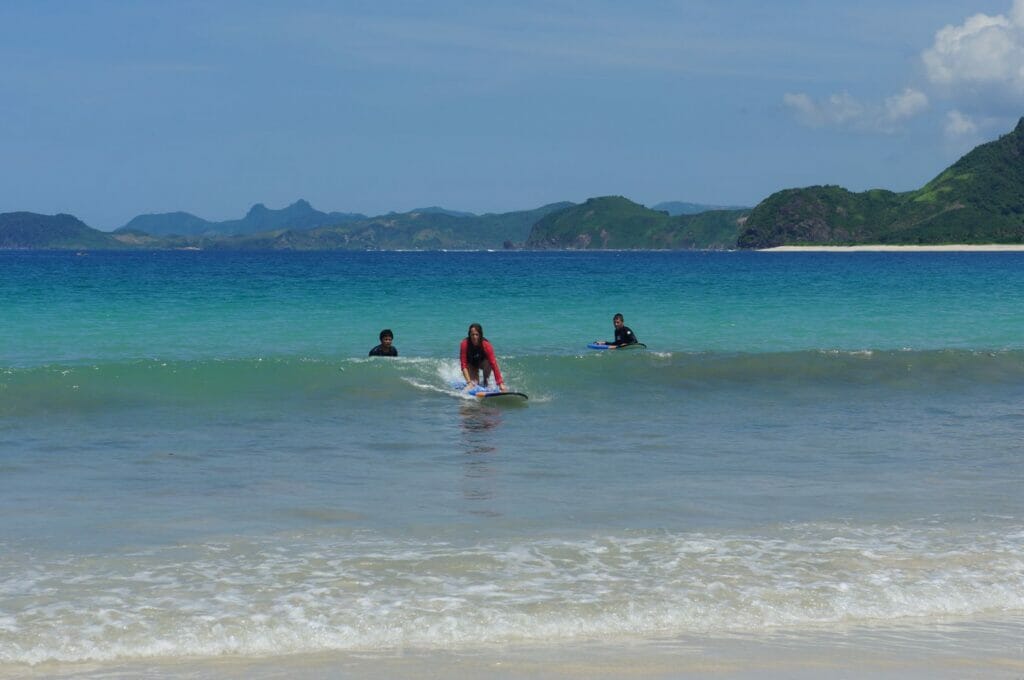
(198, 459)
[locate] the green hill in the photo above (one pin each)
(26, 230)
(163, 224)
(979, 199)
(616, 223)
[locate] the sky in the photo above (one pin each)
(111, 109)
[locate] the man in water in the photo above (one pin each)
(476, 356)
(623, 334)
(385, 348)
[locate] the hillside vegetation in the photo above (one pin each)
(616, 223)
(25, 230)
(979, 199)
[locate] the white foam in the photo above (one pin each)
(363, 592)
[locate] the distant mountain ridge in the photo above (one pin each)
(676, 208)
(438, 210)
(298, 215)
(297, 227)
(979, 199)
(423, 229)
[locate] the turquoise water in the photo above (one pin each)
(197, 459)
(197, 305)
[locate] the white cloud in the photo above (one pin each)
(845, 111)
(984, 52)
(959, 125)
(904, 105)
(976, 66)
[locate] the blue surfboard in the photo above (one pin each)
(601, 345)
(489, 392)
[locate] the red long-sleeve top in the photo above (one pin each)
(488, 353)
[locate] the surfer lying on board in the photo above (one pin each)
(385, 348)
(623, 334)
(477, 356)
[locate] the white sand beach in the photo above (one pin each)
(989, 247)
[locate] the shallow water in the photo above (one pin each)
(197, 459)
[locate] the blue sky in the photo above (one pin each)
(113, 109)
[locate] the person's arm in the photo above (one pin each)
(489, 351)
(463, 348)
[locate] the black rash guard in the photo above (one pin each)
(379, 351)
(623, 336)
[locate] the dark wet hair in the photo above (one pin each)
(387, 331)
(479, 328)
(618, 316)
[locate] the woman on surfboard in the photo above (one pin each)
(476, 356)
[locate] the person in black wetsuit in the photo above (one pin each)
(385, 348)
(623, 334)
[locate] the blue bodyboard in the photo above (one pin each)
(601, 345)
(489, 392)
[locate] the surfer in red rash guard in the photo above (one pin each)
(476, 356)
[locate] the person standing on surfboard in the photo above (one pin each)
(623, 334)
(476, 356)
(385, 348)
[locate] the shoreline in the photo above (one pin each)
(987, 248)
(948, 650)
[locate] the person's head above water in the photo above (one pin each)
(475, 333)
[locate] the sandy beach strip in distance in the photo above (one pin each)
(988, 247)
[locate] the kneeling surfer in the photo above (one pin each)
(476, 356)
